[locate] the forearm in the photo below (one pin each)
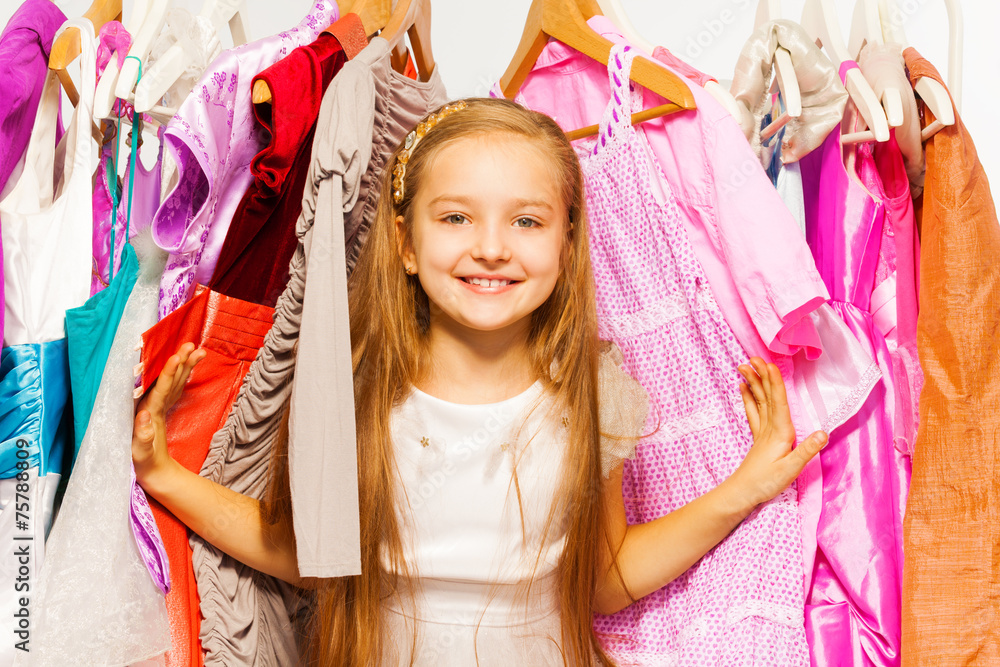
(230, 521)
(653, 554)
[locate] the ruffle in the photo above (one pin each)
(245, 613)
(21, 402)
(34, 391)
(623, 406)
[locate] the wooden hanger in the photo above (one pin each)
(566, 21)
(784, 74)
(374, 14)
(934, 95)
(412, 18)
(614, 10)
(66, 47)
(821, 22)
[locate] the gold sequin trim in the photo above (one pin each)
(410, 144)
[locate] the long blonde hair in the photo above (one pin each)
(389, 321)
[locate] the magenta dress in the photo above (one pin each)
(212, 138)
(142, 189)
(894, 301)
(742, 603)
(853, 605)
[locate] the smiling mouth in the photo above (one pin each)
(489, 282)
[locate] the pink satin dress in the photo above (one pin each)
(853, 602)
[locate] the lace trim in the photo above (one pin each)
(852, 403)
(769, 611)
(700, 420)
(783, 615)
(651, 318)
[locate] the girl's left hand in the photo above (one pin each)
(771, 464)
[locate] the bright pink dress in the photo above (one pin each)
(894, 301)
(853, 606)
(213, 138)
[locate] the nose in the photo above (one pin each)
(491, 244)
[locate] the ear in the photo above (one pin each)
(404, 247)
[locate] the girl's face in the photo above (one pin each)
(489, 226)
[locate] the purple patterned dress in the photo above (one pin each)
(212, 138)
(742, 604)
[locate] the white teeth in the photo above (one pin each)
(486, 282)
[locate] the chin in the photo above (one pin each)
(486, 326)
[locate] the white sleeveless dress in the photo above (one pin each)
(47, 222)
(48, 214)
(461, 522)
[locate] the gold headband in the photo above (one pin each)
(410, 144)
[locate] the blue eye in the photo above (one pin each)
(525, 223)
(455, 219)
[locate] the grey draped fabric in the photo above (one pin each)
(366, 112)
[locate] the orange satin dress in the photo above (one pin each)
(951, 577)
(231, 331)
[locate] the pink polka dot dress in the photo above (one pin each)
(742, 604)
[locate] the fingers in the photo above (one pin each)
(750, 405)
(763, 370)
(170, 384)
(188, 359)
(753, 384)
(142, 431)
(777, 385)
(807, 449)
(780, 414)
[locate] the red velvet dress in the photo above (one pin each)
(253, 262)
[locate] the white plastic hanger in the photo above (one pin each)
(931, 92)
(866, 28)
(104, 99)
(171, 65)
(142, 42)
(614, 10)
(956, 28)
(784, 72)
(820, 20)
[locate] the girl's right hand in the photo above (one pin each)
(149, 431)
(772, 463)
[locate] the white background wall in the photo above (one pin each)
(473, 41)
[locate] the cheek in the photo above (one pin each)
(544, 261)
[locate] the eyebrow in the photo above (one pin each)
(468, 201)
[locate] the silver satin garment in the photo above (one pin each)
(823, 94)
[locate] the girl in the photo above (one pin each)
(492, 519)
